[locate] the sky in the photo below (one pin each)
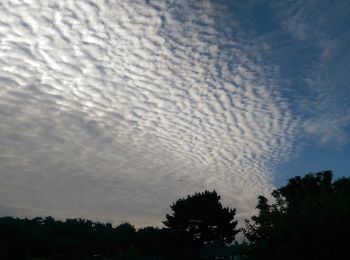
(112, 110)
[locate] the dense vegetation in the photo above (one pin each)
(195, 220)
(308, 218)
(76, 239)
(199, 219)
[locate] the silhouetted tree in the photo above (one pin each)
(200, 218)
(309, 219)
(149, 241)
(71, 239)
(125, 237)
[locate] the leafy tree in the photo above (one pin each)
(309, 219)
(71, 239)
(125, 237)
(201, 218)
(149, 241)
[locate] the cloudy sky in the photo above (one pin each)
(111, 110)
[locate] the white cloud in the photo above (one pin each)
(105, 106)
(321, 35)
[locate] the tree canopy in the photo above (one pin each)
(201, 218)
(308, 219)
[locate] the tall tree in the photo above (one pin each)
(201, 218)
(309, 219)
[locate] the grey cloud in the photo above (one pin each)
(106, 105)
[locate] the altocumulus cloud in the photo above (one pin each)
(315, 61)
(106, 105)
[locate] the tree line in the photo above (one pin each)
(308, 218)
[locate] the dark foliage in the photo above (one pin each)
(47, 238)
(77, 239)
(200, 218)
(309, 219)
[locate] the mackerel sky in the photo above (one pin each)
(112, 110)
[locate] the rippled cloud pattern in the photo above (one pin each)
(113, 109)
